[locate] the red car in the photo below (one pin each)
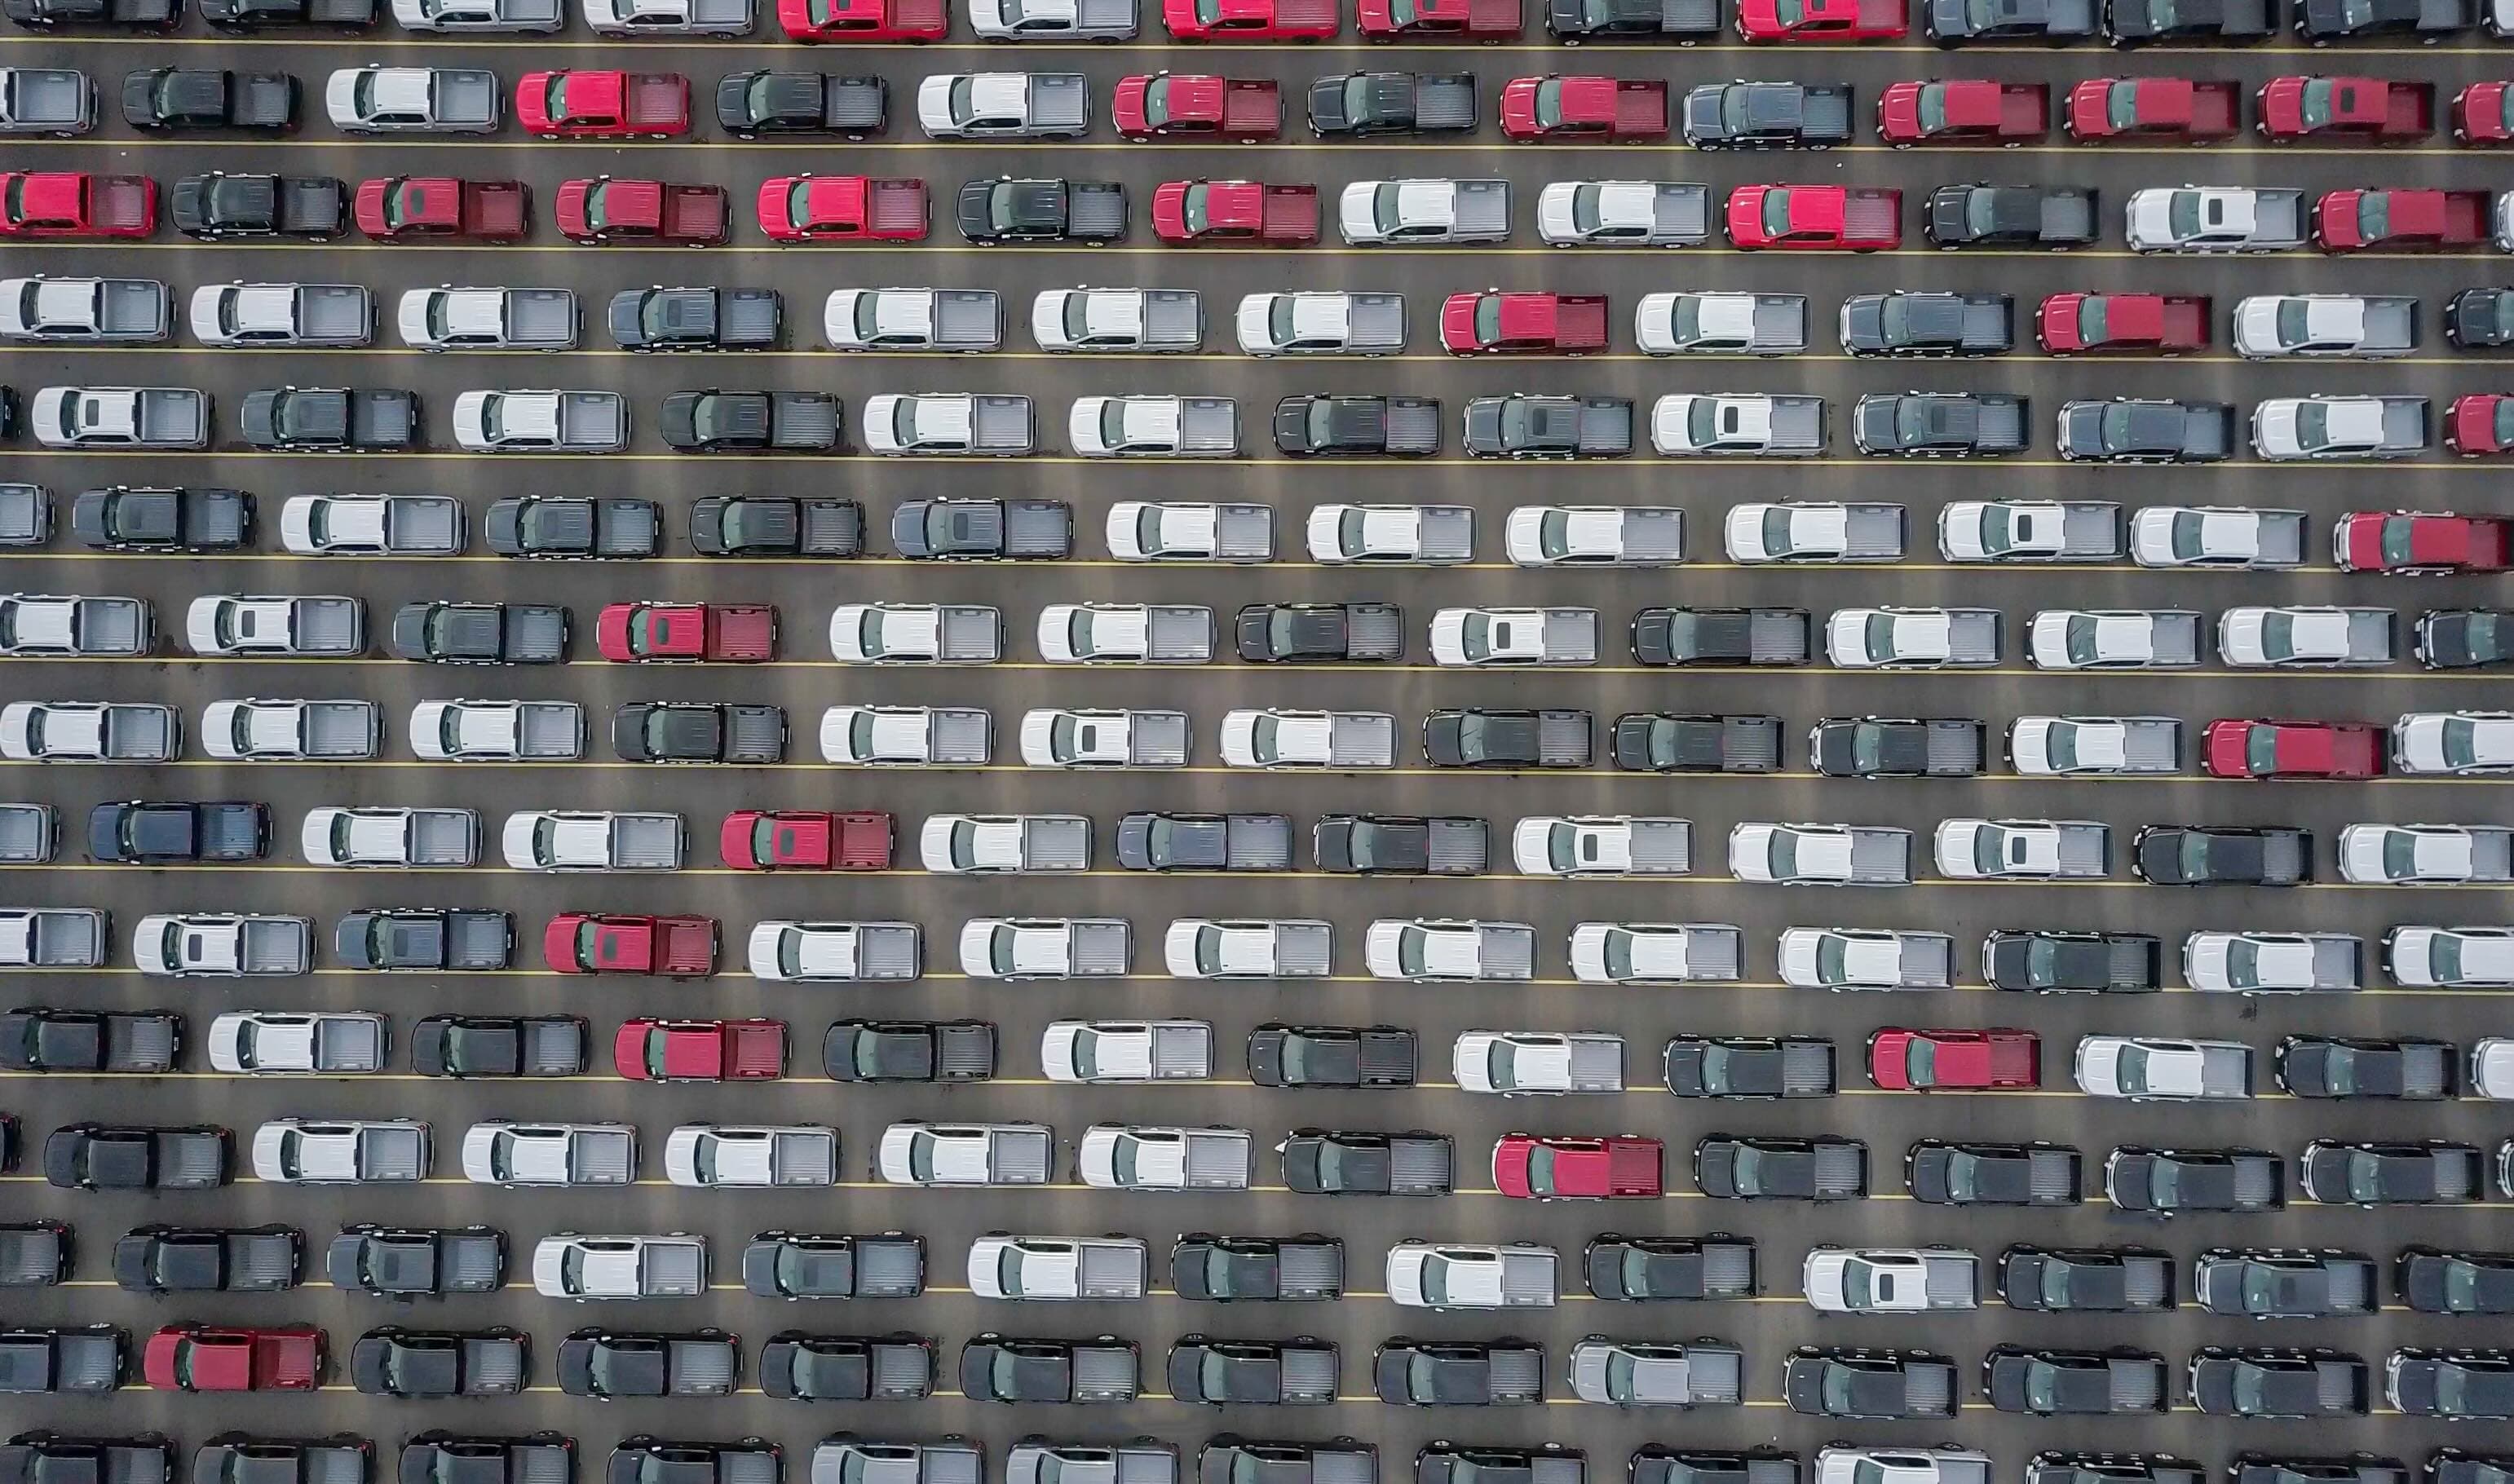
(1484, 21)
(1815, 219)
(603, 105)
(2233, 746)
(1617, 109)
(2400, 220)
(843, 208)
(1549, 1167)
(2406, 544)
(203, 1357)
(1963, 112)
(1197, 105)
(2121, 323)
(68, 203)
(1186, 213)
(2482, 114)
(805, 840)
(1494, 323)
(443, 208)
(1819, 21)
(649, 633)
(1250, 20)
(2384, 110)
(1920, 1060)
(649, 1050)
(2176, 108)
(2480, 424)
(910, 21)
(618, 943)
(600, 209)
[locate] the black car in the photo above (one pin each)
(606, 1366)
(2290, 1384)
(97, 1156)
(481, 633)
(2453, 1466)
(40, 1039)
(46, 1456)
(246, 15)
(499, 1046)
(1929, 324)
(749, 104)
(417, 1262)
(769, 525)
(440, 1456)
(2104, 1280)
(1406, 1372)
(1939, 425)
(1749, 1066)
(1005, 209)
(1474, 737)
(1970, 1172)
(2044, 962)
(2130, 24)
(1302, 1371)
(332, 420)
(427, 1364)
(2345, 1066)
(2354, 1469)
(1879, 747)
(698, 732)
(1869, 1385)
(216, 206)
(1649, 1269)
(2054, 1382)
(908, 1050)
(2146, 430)
(1766, 115)
(177, 832)
(2324, 21)
(189, 520)
(1658, 742)
(2450, 1384)
(792, 1264)
(2463, 638)
(423, 940)
(88, 1360)
(190, 99)
(1666, 1464)
(1368, 1162)
(1572, 21)
(2283, 1283)
(159, 1259)
(1203, 842)
(2166, 1183)
(1953, 24)
(1331, 1056)
(2434, 1281)
(1257, 1269)
(1272, 633)
(649, 1459)
(562, 527)
(2379, 1173)
(1398, 845)
(34, 1255)
(998, 1368)
(1445, 1463)
(1981, 216)
(794, 1366)
(2059, 1467)
(710, 420)
(2196, 855)
(1828, 1168)
(1324, 426)
(2480, 319)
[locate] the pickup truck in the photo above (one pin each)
(2339, 427)
(91, 732)
(1979, 216)
(604, 209)
(961, 843)
(93, 1156)
(568, 527)
(920, 1154)
(219, 206)
(2216, 219)
(480, 633)
(120, 417)
(356, 1152)
(1665, 213)
(2273, 963)
(2351, 326)
(85, 310)
(1288, 739)
(380, 99)
(1322, 323)
(54, 937)
(1126, 1050)
(1331, 1056)
(1480, 637)
(748, 525)
(2041, 746)
(2030, 531)
(1266, 633)
(1211, 1268)
(648, 1050)
(164, 1258)
(752, 1156)
(1526, 1062)
(1874, 1280)
(780, 104)
(306, 627)
(1125, 633)
(1046, 948)
(1050, 1269)
(1480, 738)
(1656, 741)
(332, 420)
(541, 421)
(1117, 320)
(1693, 424)
(1153, 427)
(121, 518)
(1249, 21)
(715, 421)
(1359, 1162)
(600, 105)
(1006, 210)
(806, 839)
(2409, 855)
(1913, 638)
(1158, 1158)
(948, 423)
(698, 732)
(390, 837)
(1939, 425)
(515, 1155)
(1928, 324)
(1870, 746)
(177, 832)
(1657, 953)
(1187, 212)
(2037, 850)
(449, 318)
(1203, 948)
(1813, 218)
(667, 18)
(1144, 531)
(167, 100)
(915, 633)
(563, 840)
(2381, 110)
(1496, 323)
(1820, 855)
(568, 1265)
(430, 939)
(1455, 1276)
(1429, 950)
(2401, 220)
(1812, 531)
(2131, 324)
(1326, 426)
(986, 106)
(1865, 958)
(1197, 105)
(2173, 109)
(1594, 535)
(1399, 845)
(195, 1357)
(75, 205)
(1766, 115)
(1967, 111)
(2072, 963)
(824, 952)
(1821, 23)
(1363, 104)
(908, 1050)
(457, 17)
(57, 100)
(2180, 535)
(1525, 425)
(696, 319)
(946, 529)
(442, 209)
(1424, 213)
(253, 731)
(942, 737)
(913, 319)
(2427, 544)
(809, 207)
(1619, 110)
(1062, 737)
(370, 524)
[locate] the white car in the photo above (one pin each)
(667, 18)
(2324, 325)
(1874, 1280)
(1126, 1050)
(1427, 950)
(274, 625)
(2217, 535)
(2044, 747)
(1339, 534)
(2453, 958)
(2456, 743)
(1180, 531)
(374, 100)
(460, 16)
(1665, 213)
(1290, 739)
(1654, 952)
(2157, 1069)
(1912, 639)
(1322, 323)
(2286, 428)
(705, 1156)
(2491, 1068)
(2021, 850)
(1207, 947)
(914, 633)
(2422, 855)
(2305, 638)
(497, 731)
(36, 625)
(573, 1266)
(2270, 963)
(905, 737)
(350, 1151)
(334, 835)
(1405, 213)
(271, 1042)
(1465, 1275)
(282, 315)
(1125, 633)
(2113, 639)
(370, 524)
(833, 952)
(90, 732)
(1945, 1463)
(1154, 426)
(1056, 738)
(500, 1152)
(1594, 536)
(1510, 636)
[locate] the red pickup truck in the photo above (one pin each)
(2121, 323)
(1551, 1166)
(615, 943)
(2400, 220)
(805, 840)
(1920, 1060)
(1821, 20)
(909, 20)
(649, 633)
(1481, 21)
(602, 209)
(67, 203)
(648, 1050)
(1250, 20)
(1188, 212)
(1962, 111)
(443, 208)
(2480, 424)
(604, 104)
(2385, 109)
(843, 208)
(1815, 219)
(2233, 746)
(1495, 323)
(2187, 110)
(2409, 544)
(205, 1357)
(1197, 105)
(2482, 114)
(1624, 109)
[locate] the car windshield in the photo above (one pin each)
(2315, 104)
(1879, 634)
(1832, 958)
(1488, 319)
(1414, 949)
(2244, 963)
(1549, 105)
(1501, 1065)
(2312, 422)
(2092, 316)
(1587, 197)
(2130, 1069)
(1265, 742)
(1920, 1059)
(1867, 747)
(1194, 205)
(2080, 639)
(1475, 636)
(2061, 745)
(2121, 104)
(2183, 209)
(1157, 102)
(1933, 107)
(2458, 739)
(2264, 1287)
(2261, 749)
(921, 1150)
(1776, 209)
(2278, 634)
(1540, 1170)
(1002, 204)
(1436, 1281)
(1858, 1283)
(1383, 206)
(1617, 949)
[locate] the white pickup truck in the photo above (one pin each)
(1513, 636)
(498, 730)
(1149, 531)
(1424, 213)
(222, 945)
(672, 1266)
(905, 736)
(541, 421)
(1820, 855)
(915, 633)
(1602, 845)
(1046, 948)
(1156, 320)
(390, 837)
(1447, 1275)
(1912, 639)
(336, 315)
(1054, 737)
(1427, 950)
(1126, 1050)
(1125, 633)
(1883, 1280)
(303, 627)
(1149, 1157)
(505, 1153)
(449, 318)
(1866, 958)
(1051, 1268)
(579, 840)
(2024, 849)
(352, 1151)
(959, 844)
(1154, 426)
(1813, 531)
(98, 311)
(835, 952)
(1322, 323)
(1270, 948)
(752, 1156)
(913, 319)
(1720, 324)
(1337, 740)
(918, 1153)
(1518, 1063)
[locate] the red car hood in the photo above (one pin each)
(1126, 106)
(2484, 111)
(531, 99)
(2057, 320)
(2479, 424)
